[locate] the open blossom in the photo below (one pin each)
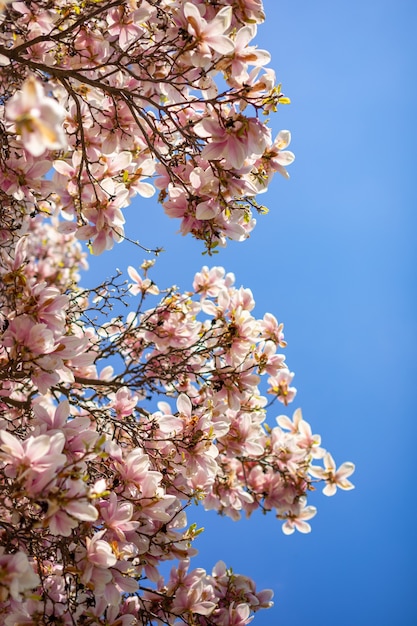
(16, 576)
(95, 561)
(237, 140)
(276, 158)
(245, 55)
(35, 461)
(297, 519)
(126, 25)
(140, 285)
(235, 615)
(280, 385)
(117, 516)
(210, 281)
(38, 118)
(193, 591)
(334, 477)
(99, 552)
(209, 36)
(302, 434)
(26, 337)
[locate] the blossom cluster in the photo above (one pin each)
(112, 96)
(112, 424)
(96, 481)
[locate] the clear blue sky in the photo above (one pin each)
(335, 261)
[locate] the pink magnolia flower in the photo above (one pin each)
(125, 25)
(101, 238)
(191, 600)
(242, 589)
(270, 329)
(28, 339)
(334, 477)
(79, 432)
(68, 507)
(96, 560)
(35, 461)
(238, 139)
(50, 307)
(208, 36)
(245, 436)
(136, 178)
(167, 423)
(16, 576)
(304, 437)
(203, 181)
(141, 285)
(123, 402)
(99, 552)
(235, 615)
(294, 425)
(197, 462)
(268, 359)
(207, 210)
(39, 22)
(38, 118)
(278, 493)
(280, 386)
(245, 55)
(277, 158)
(193, 593)
(252, 10)
(135, 473)
(117, 516)
(210, 281)
(92, 48)
(230, 497)
(24, 177)
(297, 519)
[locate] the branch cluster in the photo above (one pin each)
(111, 424)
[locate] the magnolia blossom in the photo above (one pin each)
(276, 158)
(279, 385)
(17, 576)
(297, 520)
(334, 477)
(126, 25)
(245, 55)
(239, 139)
(118, 516)
(35, 461)
(139, 285)
(38, 118)
(209, 36)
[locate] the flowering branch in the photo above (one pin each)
(122, 405)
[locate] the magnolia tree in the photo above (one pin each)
(102, 101)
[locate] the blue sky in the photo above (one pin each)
(335, 261)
